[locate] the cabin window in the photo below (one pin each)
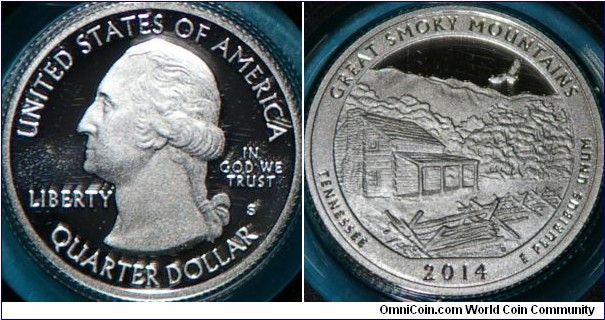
(451, 177)
(372, 178)
(372, 144)
(468, 175)
(431, 179)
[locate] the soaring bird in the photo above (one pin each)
(505, 82)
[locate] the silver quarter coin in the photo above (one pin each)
(453, 152)
(150, 151)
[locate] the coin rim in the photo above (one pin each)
(316, 81)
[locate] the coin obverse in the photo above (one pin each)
(453, 152)
(150, 151)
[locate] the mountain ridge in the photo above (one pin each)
(524, 136)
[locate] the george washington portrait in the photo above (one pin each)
(151, 129)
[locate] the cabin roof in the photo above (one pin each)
(419, 157)
(396, 129)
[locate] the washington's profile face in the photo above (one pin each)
(150, 131)
(109, 123)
